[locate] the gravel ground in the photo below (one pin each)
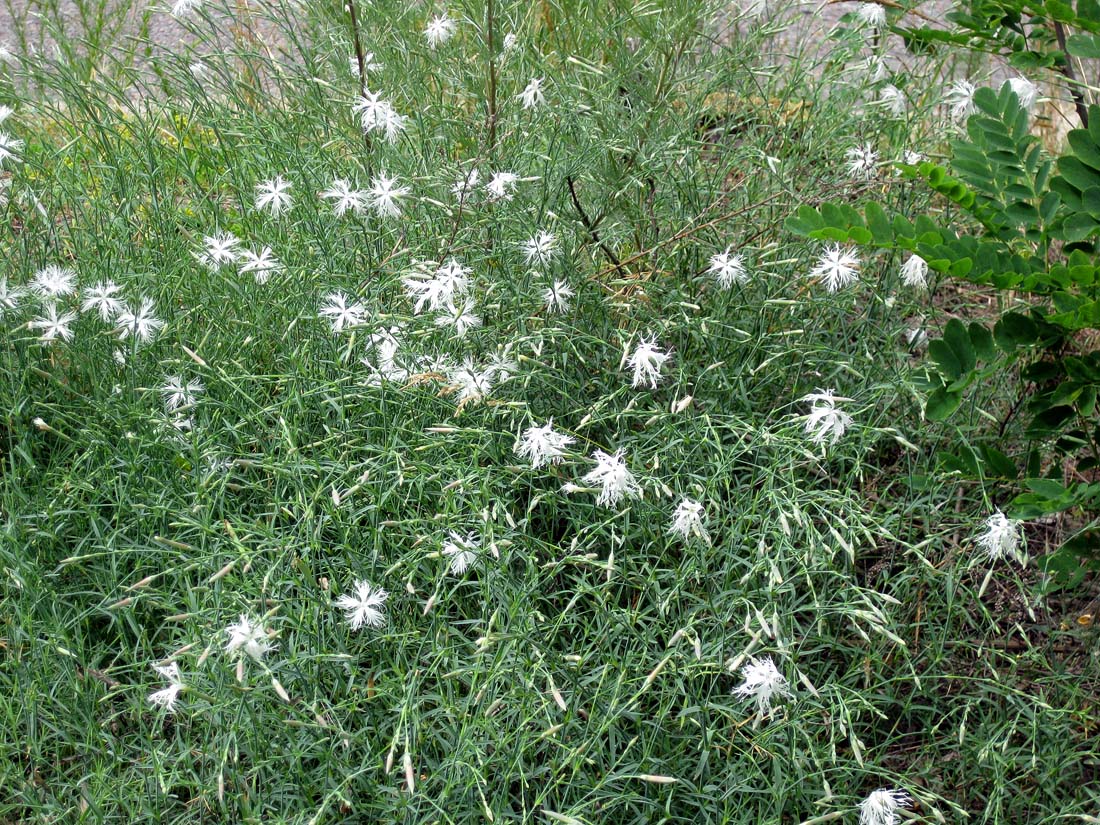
(134, 33)
(131, 33)
(26, 24)
(138, 28)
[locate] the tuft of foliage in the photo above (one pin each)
(290, 556)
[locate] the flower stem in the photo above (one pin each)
(490, 31)
(359, 58)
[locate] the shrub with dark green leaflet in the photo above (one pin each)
(1038, 227)
(1049, 35)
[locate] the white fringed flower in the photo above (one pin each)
(101, 300)
(139, 322)
(462, 187)
(541, 249)
(54, 281)
(471, 383)
(862, 161)
(261, 265)
(218, 250)
(1001, 538)
(872, 70)
(178, 394)
(689, 520)
(464, 553)
(960, 98)
(439, 289)
(532, 95)
(167, 697)
(10, 296)
(9, 148)
(728, 269)
(646, 362)
(893, 100)
(384, 196)
(364, 606)
(368, 63)
(502, 186)
(460, 314)
(378, 115)
(914, 272)
(342, 312)
(1026, 91)
(500, 364)
(344, 198)
(613, 477)
(557, 297)
(182, 8)
(371, 110)
(871, 14)
(764, 683)
(386, 345)
(248, 637)
(274, 196)
(543, 445)
(881, 807)
(836, 268)
(825, 421)
(439, 30)
(54, 325)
